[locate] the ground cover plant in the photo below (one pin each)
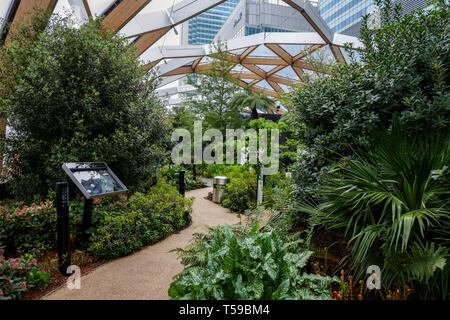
(234, 263)
(18, 275)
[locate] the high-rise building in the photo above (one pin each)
(203, 28)
(345, 16)
(256, 16)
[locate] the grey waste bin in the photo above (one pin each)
(219, 184)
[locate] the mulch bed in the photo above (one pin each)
(50, 262)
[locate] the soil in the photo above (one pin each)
(50, 262)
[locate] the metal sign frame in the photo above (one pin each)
(97, 167)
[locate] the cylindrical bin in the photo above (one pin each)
(219, 184)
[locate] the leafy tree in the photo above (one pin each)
(215, 89)
(403, 69)
(253, 101)
(77, 95)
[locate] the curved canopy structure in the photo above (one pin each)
(267, 63)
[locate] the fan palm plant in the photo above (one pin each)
(394, 208)
(253, 101)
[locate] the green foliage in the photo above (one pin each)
(18, 275)
(231, 264)
(228, 170)
(77, 95)
(121, 235)
(215, 88)
(240, 192)
(277, 191)
(394, 210)
(150, 218)
(252, 101)
(24, 229)
(164, 205)
(403, 68)
(172, 173)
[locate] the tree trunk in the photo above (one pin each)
(254, 113)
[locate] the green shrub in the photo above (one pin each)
(228, 170)
(18, 275)
(24, 229)
(172, 173)
(240, 193)
(77, 94)
(149, 218)
(121, 235)
(228, 264)
(277, 191)
(394, 210)
(403, 68)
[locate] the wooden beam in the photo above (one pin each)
(123, 13)
(309, 19)
(285, 81)
(255, 70)
(307, 52)
(338, 54)
(178, 71)
(280, 52)
(246, 76)
(265, 91)
(26, 8)
(86, 7)
(275, 86)
(300, 73)
(275, 70)
(195, 64)
(267, 61)
(146, 40)
(247, 52)
(309, 66)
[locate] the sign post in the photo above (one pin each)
(62, 225)
(181, 184)
(94, 180)
(260, 188)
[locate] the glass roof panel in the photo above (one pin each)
(285, 88)
(263, 84)
(5, 6)
(238, 52)
(208, 59)
(73, 9)
(247, 80)
(293, 49)
(263, 51)
(240, 69)
(98, 7)
(324, 55)
(266, 67)
(287, 73)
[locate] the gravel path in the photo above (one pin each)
(148, 273)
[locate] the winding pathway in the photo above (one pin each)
(148, 273)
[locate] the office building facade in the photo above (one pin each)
(345, 16)
(203, 28)
(257, 16)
